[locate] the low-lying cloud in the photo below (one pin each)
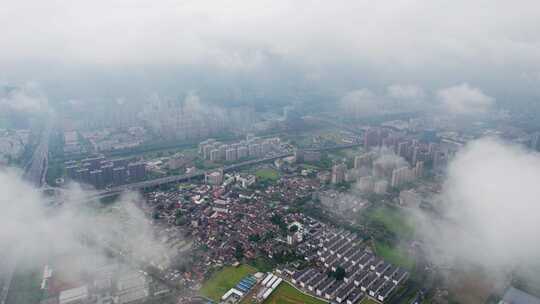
(464, 99)
(27, 98)
(397, 97)
(461, 100)
(407, 91)
(30, 224)
(490, 208)
(361, 102)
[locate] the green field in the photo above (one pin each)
(225, 279)
(267, 174)
(287, 294)
(393, 219)
(309, 167)
(262, 264)
(368, 301)
(390, 226)
(25, 286)
(394, 255)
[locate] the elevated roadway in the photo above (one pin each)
(200, 173)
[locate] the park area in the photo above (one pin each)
(267, 174)
(220, 282)
(287, 294)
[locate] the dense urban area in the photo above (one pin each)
(301, 209)
(270, 152)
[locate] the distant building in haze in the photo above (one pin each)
(401, 176)
(338, 173)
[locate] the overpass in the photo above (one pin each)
(200, 173)
(179, 178)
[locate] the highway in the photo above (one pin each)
(7, 268)
(35, 173)
(36, 169)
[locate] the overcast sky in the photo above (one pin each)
(425, 43)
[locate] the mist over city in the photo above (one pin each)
(272, 152)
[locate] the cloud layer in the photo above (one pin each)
(408, 92)
(27, 98)
(459, 100)
(490, 207)
(29, 224)
(464, 99)
(276, 49)
(361, 103)
(389, 35)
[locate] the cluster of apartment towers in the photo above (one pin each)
(101, 172)
(216, 151)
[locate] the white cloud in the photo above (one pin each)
(28, 223)
(405, 91)
(490, 208)
(388, 34)
(464, 99)
(398, 97)
(27, 98)
(361, 102)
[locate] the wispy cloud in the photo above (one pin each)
(28, 223)
(464, 99)
(27, 98)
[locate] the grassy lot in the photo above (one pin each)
(394, 255)
(405, 294)
(394, 220)
(25, 286)
(343, 153)
(368, 301)
(225, 279)
(262, 264)
(267, 174)
(309, 166)
(286, 294)
(389, 225)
